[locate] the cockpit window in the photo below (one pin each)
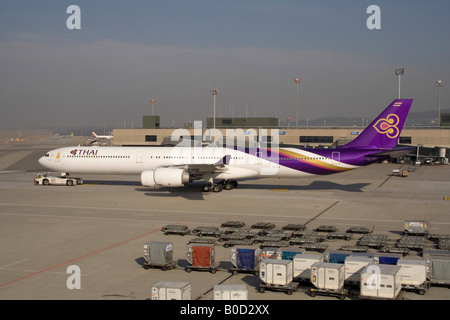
(47, 155)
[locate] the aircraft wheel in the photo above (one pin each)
(217, 188)
(206, 188)
(229, 185)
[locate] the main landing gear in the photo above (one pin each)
(217, 187)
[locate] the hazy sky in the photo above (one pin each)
(175, 51)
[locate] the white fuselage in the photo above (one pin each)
(135, 160)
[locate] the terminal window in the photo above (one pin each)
(150, 138)
(406, 140)
(316, 139)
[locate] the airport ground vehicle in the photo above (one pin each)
(45, 179)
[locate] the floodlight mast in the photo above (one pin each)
(439, 84)
(399, 72)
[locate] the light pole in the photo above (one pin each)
(153, 102)
(399, 72)
(214, 92)
(297, 82)
(439, 84)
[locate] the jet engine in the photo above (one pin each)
(164, 177)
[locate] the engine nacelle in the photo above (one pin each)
(164, 177)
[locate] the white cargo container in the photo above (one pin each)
(328, 276)
(353, 265)
(302, 265)
(230, 292)
(171, 290)
(414, 275)
(380, 281)
(276, 271)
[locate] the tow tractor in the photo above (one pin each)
(63, 180)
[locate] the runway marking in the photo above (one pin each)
(11, 264)
(79, 258)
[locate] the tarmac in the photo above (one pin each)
(101, 226)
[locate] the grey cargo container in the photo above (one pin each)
(158, 254)
(439, 269)
(171, 290)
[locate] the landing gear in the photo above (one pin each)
(217, 187)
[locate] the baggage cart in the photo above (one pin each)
(243, 242)
(328, 279)
(175, 229)
(355, 248)
(233, 224)
(294, 227)
(202, 240)
(402, 251)
(245, 260)
(201, 257)
(230, 292)
(340, 235)
(287, 288)
(376, 241)
(159, 255)
(319, 247)
(387, 258)
(207, 231)
(324, 228)
(362, 230)
(171, 290)
(263, 225)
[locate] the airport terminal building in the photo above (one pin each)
(431, 141)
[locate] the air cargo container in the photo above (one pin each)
(381, 281)
(327, 275)
(387, 258)
(230, 292)
(201, 257)
(276, 271)
(288, 253)
(353, 266)
(414, 275)
(302, 265)
(159, 254)
(245, 260)
(439, 269)
(337, 256)
(328, 279)
(171, 290)
(268, 253)
(277, 275)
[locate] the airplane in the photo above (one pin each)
(220, 167)
(101, 137)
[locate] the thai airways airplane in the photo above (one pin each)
(220, 167)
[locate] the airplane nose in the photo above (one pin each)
(41, 161)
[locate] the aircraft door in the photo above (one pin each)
(336, 157)
(140, 157)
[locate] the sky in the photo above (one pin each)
(175, 51)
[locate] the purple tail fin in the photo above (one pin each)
(384, 131)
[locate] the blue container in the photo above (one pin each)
(245, 259)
